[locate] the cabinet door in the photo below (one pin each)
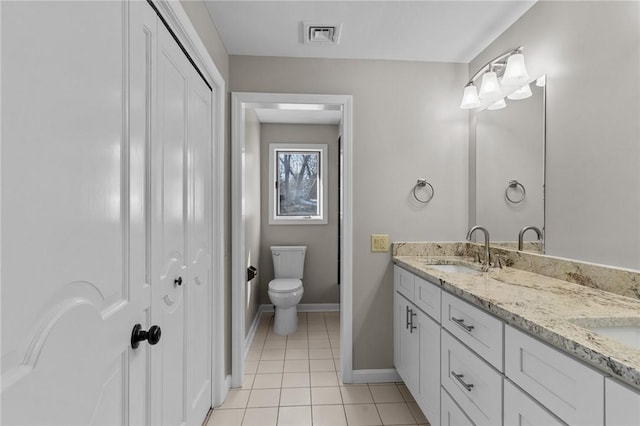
(622, 405)
(428, 397)
(407, 344)
(520, 409)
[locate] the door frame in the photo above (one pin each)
(239, 102)
(175, 16)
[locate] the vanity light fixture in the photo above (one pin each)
(499, 104)
(505, 75)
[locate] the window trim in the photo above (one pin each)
(323, 189)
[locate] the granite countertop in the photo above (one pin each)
(553, 310)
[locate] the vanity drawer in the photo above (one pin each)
(569, 389)
(427, 298)
(477, 329)
(520, 409)
(404, 282)
(452, 415)
(471, 382)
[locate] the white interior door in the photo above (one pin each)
(70, 294)
(198, 289)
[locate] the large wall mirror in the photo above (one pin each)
(510, 170)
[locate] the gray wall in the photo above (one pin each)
(201, 20)
(407, 125)
(252, 210)
(321, 263)
(591, 54)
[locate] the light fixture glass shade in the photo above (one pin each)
(522, 93)
(516, 72)
(470, 97)
(499, 104)
(490, 87)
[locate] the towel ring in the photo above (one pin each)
(515, 184)
(421, 184)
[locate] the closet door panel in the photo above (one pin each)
(198, 289)
(168, 195)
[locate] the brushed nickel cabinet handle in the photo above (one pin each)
(458, 377)
(461, 323)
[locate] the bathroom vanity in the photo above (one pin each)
(508, 346)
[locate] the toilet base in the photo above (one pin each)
(286, 320)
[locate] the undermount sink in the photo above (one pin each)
(455, 268)
(626, 334)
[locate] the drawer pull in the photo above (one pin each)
(413, 327)
(461, 323)
(459, 377)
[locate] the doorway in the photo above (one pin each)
(300, 104)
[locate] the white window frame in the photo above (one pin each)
(321, 219)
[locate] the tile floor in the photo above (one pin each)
(295, 381)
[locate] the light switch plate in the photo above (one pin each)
(379, 243)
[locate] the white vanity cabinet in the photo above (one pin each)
(417, 339)
(482, 372)
(622, 404)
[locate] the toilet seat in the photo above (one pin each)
(285, 285)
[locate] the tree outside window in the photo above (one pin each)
(298, 174)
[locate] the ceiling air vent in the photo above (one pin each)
(315, 33)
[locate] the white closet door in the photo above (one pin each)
(198, 289)
(169, 222)
(70, 295)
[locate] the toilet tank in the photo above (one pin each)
(288, 261)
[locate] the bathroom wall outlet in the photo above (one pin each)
(379, 243)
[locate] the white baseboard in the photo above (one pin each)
(319, 307)
(306, 307)
(376, 376)
(252, 331)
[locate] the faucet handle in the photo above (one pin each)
(498, 262)
(476, 258)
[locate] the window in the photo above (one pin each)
(298, 184)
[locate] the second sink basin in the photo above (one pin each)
(626, 334)
(455, 268)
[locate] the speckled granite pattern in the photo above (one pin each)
(545, 307)
(625, 282)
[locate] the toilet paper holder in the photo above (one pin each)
(251, 273)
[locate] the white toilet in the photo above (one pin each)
(285, 290)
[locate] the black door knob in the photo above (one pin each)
(138, 335)
(178, 281)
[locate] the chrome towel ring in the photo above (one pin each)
(422, 183)
(515, 185)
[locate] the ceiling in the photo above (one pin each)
(434, 31)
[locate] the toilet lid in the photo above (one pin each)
(282, 285)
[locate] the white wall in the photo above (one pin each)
(321, 263)
(407, 125)
(252, 211)
(591, 54)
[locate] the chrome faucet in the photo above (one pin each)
(486, 242)
(521, 235)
